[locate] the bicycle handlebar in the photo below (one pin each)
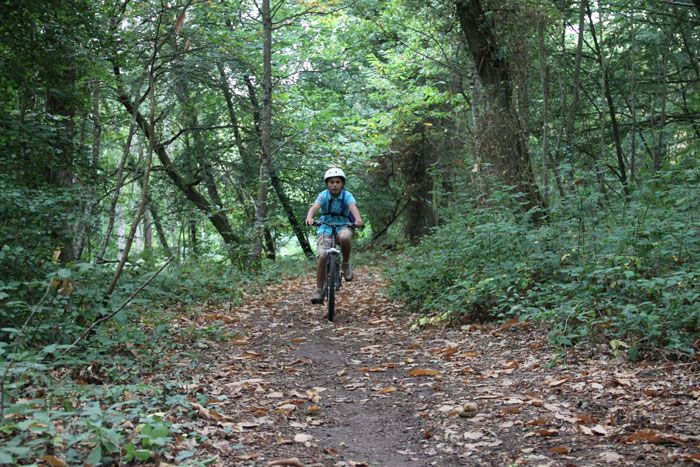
(347, 224)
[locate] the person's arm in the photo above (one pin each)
(356, 212)
(312, 212)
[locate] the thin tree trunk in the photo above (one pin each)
(571, 116)
(659, 146)
(245, 158)
(286, 205)
(144, 188)
(84, 228)
(621, 171)
(121, 232)
(159, 228)
(117, 190)
(60, 104)
(544, 79)
(265, 156)
(147, 230)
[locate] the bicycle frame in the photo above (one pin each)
(332, 268)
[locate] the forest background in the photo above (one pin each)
(513, 159)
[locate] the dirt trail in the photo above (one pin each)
(366, 390)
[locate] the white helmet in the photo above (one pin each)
(334, 172)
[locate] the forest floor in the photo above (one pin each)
(295, 389)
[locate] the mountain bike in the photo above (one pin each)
(332, 280)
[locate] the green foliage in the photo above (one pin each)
(628, 272)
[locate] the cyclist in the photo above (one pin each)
(337, 206)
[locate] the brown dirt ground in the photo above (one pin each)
(295, 389)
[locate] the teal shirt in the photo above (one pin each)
(323, 199)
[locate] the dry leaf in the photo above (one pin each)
(422, 372)
(54, 461)
(179, 23)
(611, 456)
(654, 437)
(387, 390)
(695, 458)
(621, 381)
(302, 438)
(560, 449)
(553, 383)
(293, 461)
(545, 432)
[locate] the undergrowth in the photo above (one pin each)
(622, 272)
(112, 398)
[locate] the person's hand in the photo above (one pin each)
(359, 223)
(309, 221)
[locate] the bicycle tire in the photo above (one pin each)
(332, 279)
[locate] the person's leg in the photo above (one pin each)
(322, 245)
(320, 270)
(345, 240)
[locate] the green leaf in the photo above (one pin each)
(95, 456)
(64, 272)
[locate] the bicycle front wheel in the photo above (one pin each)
(332, 279)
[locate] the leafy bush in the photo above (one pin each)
(629, 270)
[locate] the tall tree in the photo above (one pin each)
(265, 156)
(501, 138)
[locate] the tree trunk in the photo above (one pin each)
(159, 228)
(117, 189)
(144, 192)
(286, 205)
(61, 105)
(544, 79)
(621, 171)
(89, 209)
(147, 231)
(245, 157)
(501, 137)
(265, 162)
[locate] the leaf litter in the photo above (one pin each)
(293, 389)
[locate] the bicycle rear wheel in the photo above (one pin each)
(332, 279)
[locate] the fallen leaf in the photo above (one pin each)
(693, 458)
(553, 383)
(293, 461)
(387, 390)
(611, 456)
(560, 449)
(54, 461)
(654, 437)
(302, 438)
(621, 381)
(545, 432)
(423, 372)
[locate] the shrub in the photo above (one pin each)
(627, 271)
